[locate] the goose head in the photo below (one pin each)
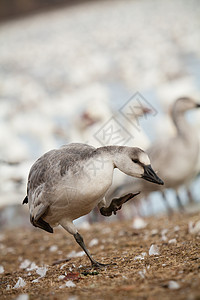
(136, 163)
(184, 104)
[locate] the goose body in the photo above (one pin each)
(69, 177)
(67, 183)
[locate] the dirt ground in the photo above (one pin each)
(174, 273)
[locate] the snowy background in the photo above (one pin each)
(64, 70)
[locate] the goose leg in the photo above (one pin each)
(190, 197)
(180, 205)
(69, 226)
(169, 209)
(116, 204)
(81, 243)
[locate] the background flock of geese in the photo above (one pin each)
(175, 156)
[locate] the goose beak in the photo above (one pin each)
(151, 176)
(198, 105)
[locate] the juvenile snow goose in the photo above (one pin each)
(68, 183)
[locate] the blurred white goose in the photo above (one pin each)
(94, 115)
(140, 138)
(97, 114)
(175, 158)
(68, 183)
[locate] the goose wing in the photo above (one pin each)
(48, 170)
(39, 176)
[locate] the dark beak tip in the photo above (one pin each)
(151, 176)
(159, 181)
(198, 105)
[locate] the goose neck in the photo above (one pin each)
(182, 126)
(111, 152)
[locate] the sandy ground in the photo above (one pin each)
(92, 57)
(171, 274)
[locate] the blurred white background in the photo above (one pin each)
(66, 72)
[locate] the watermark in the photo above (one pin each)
(136, 108)
(119, 130)
(94, 166)
(112, 133)
(67, 194)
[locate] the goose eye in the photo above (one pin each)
(136, 161)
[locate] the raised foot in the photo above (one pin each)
(116, 204)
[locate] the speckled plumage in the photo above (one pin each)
(69, 182)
